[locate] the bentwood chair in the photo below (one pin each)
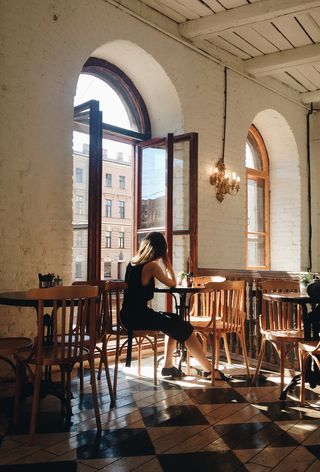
(112, 305)
(201, 307)
(71, 341)
(8, 347)
(225, 316)
(280, 324)
(101, 332)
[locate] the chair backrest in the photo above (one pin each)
(70, 327)
(101, 322)
(277, 315)
(113, 298)
(201, 301)
(226, 304)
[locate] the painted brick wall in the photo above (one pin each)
(44, 46)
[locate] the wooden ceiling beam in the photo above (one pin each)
(207, 26)
(283, 60)
(311, 97)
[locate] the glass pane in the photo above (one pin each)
(256, 210)
(181, 186)
(153, 188)
(80, 205)
(256, 250)
(253, 154)
(116, 209)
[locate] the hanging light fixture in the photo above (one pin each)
(220, 179)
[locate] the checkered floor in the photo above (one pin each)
(179, 425)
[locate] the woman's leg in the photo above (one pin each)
(170, 345)
(195, 348)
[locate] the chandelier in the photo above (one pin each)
(220, 178)
(223, 183)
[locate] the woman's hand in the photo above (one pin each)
(166, 259)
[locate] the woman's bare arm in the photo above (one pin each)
(153, 269)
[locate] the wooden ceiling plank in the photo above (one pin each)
(316, 65)
(240, 43)
(244, 15)
(283, 60)
(270, 33)
(310, 25)
(301, 77)
(229, 4)
(288, 80)
(255, 38)
(160, 7)
(215, 6)
(222, 55)
(194, 5)
(221, 43)
(311, 73)
(289, 27)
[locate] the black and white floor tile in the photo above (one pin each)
(178, 425)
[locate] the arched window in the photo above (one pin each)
(257, 164)
(104, 141)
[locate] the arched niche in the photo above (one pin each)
(153, 83)
(285, 190)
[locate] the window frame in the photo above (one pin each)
(121, 237)
(107, 207)
(108, 180)
(262, 175)
(122, 209)
(122, 182)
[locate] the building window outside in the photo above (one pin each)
(107, 269)
(122, 181)
(79, 205)
(257, 164)
(79, 175)
(121, 240)
(108, 180)
(108, 239)
(79, 238)
(108, 208)
(78, 270)
(121, 209)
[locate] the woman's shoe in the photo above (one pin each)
(207, 375)
(172, 372)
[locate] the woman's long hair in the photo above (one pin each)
(152, 247)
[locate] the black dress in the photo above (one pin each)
(135, 313)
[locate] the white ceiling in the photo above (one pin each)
(277, 38)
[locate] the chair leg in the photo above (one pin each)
(94, 393)
(18, 389)
(104, 359)
(218, 342)
(214, 342)
(68, 393)
(261, 354)
(81, 374)
(282, 360)
(35, 404)
(244, 352)
(303, 378)
(226, 348)
(116, 366)
(155, 360)
(139, 342)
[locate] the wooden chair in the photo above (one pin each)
(101, 332)
(201, 307)
(225, 315)
(71, 340)
(112, 305)
(308, 350)
(8, 347)
(280, 324)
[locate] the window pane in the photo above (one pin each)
(181, 186)
(256, 210)
(153, 188)
(256, 250)
(253, 154)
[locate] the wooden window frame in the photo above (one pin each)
(254, 174)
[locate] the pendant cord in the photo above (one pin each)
(225, 112)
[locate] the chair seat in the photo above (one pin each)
(309, 346)
(203, 322)
(51, 357)
(8, 346)
(290, 335)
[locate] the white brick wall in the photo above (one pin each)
(40, 63)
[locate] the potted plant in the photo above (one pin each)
(182, 278)
(305, 279)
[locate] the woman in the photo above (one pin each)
(135, 313)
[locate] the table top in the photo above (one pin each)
(16, 299)
(293, 297)
(179, 289)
